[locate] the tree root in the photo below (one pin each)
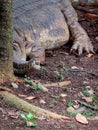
(15, 101)
(87, 105)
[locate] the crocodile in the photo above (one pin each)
(44, 24)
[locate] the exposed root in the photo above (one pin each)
(15, 101)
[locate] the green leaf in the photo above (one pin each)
(42, 68)
(95, 97)
(27, 80)
(61, 76)
(30, 116)
(96, 107)
(36, 86)
(70, 104)
(87, 113)
(23, 116)
(86, 91)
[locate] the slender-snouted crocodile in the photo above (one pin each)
(41, 25)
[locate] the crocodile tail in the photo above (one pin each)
(21, 67)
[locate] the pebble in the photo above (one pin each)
(14, 85)
(96, 38)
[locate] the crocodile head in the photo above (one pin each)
(20, 62)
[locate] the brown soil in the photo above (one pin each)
(56, 61)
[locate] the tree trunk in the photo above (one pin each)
(6, 55)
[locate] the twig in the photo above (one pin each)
(58, 84)
(78, 70)
(87, 105)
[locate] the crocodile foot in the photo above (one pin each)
(81, 40)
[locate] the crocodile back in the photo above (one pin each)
(41, 22)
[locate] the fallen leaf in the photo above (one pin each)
(21, 95)
(90, 55)
(13, 114)
(91, 16)
(82, 119)
(42, 101)
(63, 100)
(74, 67)
(76, 106)
(63, 95)
(88, 99)
(30, 98)
(19, 80)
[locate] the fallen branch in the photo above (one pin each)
(76, 71)
(87, 105)
(15, 101)
(57, 84)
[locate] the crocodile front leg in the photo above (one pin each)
(80, 37)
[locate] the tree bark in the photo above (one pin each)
(6, 55)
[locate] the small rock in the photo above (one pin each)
(42, 101)
(80, 110)
(96, 38)
(63, 95)
(70, 109)
(14, 85)
(82, 119)
(85, 82)
(74, 67)
(27, 85)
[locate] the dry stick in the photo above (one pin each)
(58, 84)
(15, 101)
(87, 105)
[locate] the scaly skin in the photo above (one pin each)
(41, 25)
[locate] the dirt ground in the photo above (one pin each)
(59, 67)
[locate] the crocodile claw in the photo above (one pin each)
(82, 45)
(36, 64)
